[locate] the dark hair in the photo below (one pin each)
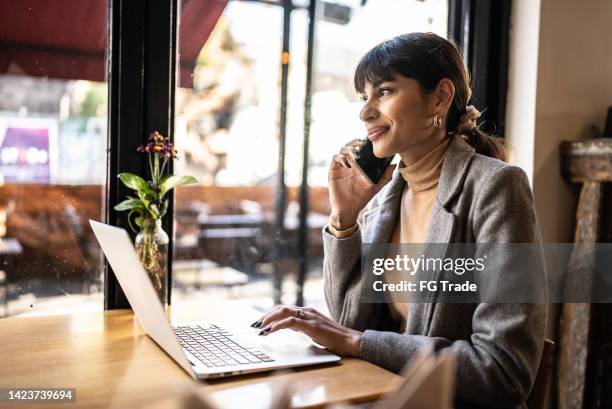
(428, 58)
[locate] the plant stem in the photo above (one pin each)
(156, 170)
(163, 168)
(151, 167)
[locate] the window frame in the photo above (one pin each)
(142, 62)
(482, 29)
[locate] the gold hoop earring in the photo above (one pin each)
(437, 121)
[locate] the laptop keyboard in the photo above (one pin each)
(213, 346)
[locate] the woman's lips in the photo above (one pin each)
(376, 132)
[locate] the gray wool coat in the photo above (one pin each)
(497, 346)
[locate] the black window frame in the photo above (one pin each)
(141, 81)
(482, 29)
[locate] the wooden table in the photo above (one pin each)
(112, 364)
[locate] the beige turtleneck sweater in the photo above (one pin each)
(418, 199)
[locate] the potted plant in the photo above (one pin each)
(149, 205)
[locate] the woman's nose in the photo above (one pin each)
(368, 113)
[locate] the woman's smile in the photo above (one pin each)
(376, 132)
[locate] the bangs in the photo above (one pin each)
(376, 66)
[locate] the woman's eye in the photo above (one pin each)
(384, 91)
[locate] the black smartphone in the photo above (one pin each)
(370, 166)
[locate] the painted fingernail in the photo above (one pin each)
(253, 324)
(258, 324)
(268, 329)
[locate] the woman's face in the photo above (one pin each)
(397, 115)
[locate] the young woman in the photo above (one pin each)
(452, 186)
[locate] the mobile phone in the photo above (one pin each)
(370, 166)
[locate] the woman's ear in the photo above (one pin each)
(443, 96)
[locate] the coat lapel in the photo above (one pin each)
(441, 224)
(439, 234)
(379, 221)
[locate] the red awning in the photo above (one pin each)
(67, 39)
(198, 19)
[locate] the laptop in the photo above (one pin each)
(203, 349)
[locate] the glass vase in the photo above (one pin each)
(152, 247)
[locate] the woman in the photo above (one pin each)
(452, 186)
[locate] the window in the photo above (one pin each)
(226, 132)
(53, 115)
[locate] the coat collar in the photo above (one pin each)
(454, 169)
(457, 159)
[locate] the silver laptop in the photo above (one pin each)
(204, 350)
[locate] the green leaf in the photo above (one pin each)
(164, 179)
(174, 181)
(143, 198)
(134, 182)
(129, 203)
(147, 205)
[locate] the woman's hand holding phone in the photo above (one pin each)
(349, 190)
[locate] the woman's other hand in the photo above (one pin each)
(349, 191)
(323, 330)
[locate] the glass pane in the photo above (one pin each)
(227, 133)
(53, 103)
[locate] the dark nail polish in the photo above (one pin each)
(258, 324)
(268, 329)
(261, 332)
(253, 324)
